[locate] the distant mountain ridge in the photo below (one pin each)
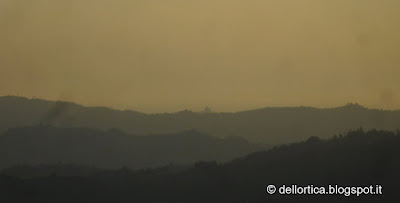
(114, 149)
(272, 125)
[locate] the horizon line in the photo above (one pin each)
(354, 104)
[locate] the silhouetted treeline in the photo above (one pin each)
(45, 144)
(356, 159)
(269, 125)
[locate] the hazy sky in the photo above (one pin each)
(169, 55)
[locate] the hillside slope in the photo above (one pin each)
(114, 149)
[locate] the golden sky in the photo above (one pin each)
(170, 55)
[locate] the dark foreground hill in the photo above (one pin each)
(114, 149)
(355, 160)
(268, 125)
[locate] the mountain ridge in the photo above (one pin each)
(270, 125)
(347, 105)
(46, 144)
